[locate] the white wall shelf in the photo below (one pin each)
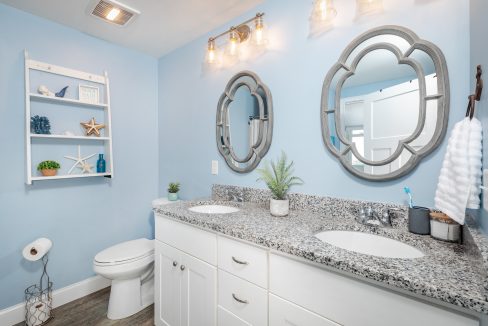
(72, 176)
(68, 137)
(60, 100)
(30, 98)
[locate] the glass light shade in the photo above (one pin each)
(259, 35)
(322, 17)
(211, 57)
(368, 7)
(232, 49)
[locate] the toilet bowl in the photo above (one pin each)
(130, 267)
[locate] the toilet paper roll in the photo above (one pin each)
(37, 249)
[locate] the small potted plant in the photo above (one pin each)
(49, 168)
(173, 189)
(279, 178)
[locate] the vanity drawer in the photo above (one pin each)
(285, 313)
(243, 260)
(243, 299)
(198, 243)
(351, 302)
(226, 318)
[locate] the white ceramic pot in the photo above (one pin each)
(279, 207)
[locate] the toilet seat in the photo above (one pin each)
(125, 252)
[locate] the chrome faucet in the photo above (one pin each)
(368, 216)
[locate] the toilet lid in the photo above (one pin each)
(125, 251)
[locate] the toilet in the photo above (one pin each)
(130, 267)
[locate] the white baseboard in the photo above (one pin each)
(16, 314)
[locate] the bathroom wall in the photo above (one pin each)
(294, 69)
(81, 216)
(479, 55)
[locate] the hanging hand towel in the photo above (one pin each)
(460, 177)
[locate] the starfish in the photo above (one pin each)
(86, 167)
(81, 161)
(92, 127)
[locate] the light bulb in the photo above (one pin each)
(323, 9)
(112, 14)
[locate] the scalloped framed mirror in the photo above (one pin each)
(385, 103)
(244, 122)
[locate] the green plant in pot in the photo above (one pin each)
(48, 168)
(173, 189)
(279, 179)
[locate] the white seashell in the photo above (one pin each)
(44, 91)
(68, 133)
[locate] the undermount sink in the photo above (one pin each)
(213, 209)
(369, 244)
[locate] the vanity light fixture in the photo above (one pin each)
(112, 11)
(238, 35)
(368, 7)
(322, 17)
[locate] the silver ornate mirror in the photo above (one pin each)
(385, 103)
(244, 122)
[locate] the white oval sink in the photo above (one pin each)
(213, 209)
(369, 244)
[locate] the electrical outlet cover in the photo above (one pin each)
(215, 167)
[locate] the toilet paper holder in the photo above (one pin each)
(38, 298)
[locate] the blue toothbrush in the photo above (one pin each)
(409, 193)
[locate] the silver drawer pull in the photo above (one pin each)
(182, 267)
(175, 263)
(239, 300)
(239, 261)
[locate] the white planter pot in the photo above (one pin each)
(279, 207)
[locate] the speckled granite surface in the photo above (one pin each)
(446, 272)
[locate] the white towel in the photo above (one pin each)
(460, 177)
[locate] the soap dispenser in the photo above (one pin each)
(101, 164)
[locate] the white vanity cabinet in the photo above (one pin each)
(185, 288)
(205, 279)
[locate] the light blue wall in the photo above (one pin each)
(479, 55)
(294, 71)
(81, 217)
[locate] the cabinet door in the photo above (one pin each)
(167, 285)
(284, 313)
(198, 292)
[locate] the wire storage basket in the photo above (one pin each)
(38, 300)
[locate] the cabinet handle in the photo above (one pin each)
(175, 263)
(182, 267)
(239, 300)
(239, 261)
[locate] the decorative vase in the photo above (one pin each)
(49, 172)
(279, 207)
(172, 196)
(101, 164)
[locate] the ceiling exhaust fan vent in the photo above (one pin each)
(114, 12)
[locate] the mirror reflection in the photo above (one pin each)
(243, 121)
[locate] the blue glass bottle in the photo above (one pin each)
(100, 164)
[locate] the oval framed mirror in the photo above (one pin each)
(244, 122)
(385, 103)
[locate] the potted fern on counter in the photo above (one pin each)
(173, 189)
(279, 179)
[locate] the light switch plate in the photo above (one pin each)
(483, 191)
(215, 167)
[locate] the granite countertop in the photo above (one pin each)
(446, 271)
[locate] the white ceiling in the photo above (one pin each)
(163, 25)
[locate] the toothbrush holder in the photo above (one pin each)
(419, 220)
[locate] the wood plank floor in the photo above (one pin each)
(92, 311)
